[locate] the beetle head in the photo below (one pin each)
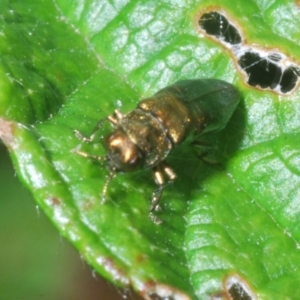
(123, 155)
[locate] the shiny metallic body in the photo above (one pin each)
(144, 137)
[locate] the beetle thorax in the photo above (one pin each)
(148, 134)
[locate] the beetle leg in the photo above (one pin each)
(115, 117)
(156, 195)
(201, 143)
(118, 115)
(170, 173)
(206, 152)
(159, 179)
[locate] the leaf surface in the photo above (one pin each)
(67, 64)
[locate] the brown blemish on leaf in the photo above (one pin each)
(88, 204)
(110, 267)
(141, 258)
(220, 296)
(54, 201)
(7, 133)
(157, 291)
(149, 290)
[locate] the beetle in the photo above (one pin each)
(144, 137)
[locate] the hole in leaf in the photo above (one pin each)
(237, 292)
(217, 25)
(274, 56)
(263, 69)
(289, 79)
(238, 289)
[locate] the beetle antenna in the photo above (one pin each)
(87, 155)
(85, 139)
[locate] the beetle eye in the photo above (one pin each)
(123, 154)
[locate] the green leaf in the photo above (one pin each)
(67, 64)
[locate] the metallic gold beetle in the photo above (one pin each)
(144, 137)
